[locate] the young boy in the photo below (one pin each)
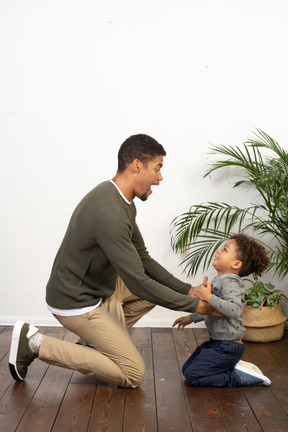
(214, 363)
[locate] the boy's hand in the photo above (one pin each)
(203, 307)
(182, 322)
(205, 292)
(194, 290)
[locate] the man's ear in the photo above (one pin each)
(137, 164)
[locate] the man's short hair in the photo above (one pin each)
(140, 146)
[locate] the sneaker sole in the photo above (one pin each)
(14, 348)
(253, 373)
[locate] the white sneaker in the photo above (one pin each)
(21, 355)
(250, 366)
(249, 377)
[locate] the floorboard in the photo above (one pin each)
(53, 399)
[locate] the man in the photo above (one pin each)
(103, 279)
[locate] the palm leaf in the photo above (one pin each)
(202, 251)
(199, 232)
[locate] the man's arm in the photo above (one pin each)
(113, 234)
(155, 270)
(204, 309)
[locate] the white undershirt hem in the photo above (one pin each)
(73, 312)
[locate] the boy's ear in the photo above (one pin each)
(237, 265)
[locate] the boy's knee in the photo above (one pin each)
(191, 380)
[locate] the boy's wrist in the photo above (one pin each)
(209, 297)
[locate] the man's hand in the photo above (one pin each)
(204, 309)
(182, 322)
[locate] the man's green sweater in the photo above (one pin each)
(103, 241)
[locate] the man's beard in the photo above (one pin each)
(144, 197)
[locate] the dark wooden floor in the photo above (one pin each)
(59, 400)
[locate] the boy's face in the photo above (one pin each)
(226, 260)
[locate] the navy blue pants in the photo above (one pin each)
(212, 363)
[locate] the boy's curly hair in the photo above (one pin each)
(253, 255)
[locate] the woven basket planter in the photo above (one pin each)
(264, 324)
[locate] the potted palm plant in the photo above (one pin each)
(262, 166)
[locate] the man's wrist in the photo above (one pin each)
(191, 292)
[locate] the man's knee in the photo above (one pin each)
(135, 376)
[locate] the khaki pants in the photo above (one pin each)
(111, 355)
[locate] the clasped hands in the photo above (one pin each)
(204, 293)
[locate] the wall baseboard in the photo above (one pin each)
(38, 321)
(52, 322)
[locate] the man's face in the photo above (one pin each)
(149, 175)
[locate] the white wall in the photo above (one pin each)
(78, 77)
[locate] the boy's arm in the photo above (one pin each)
(231, 303)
